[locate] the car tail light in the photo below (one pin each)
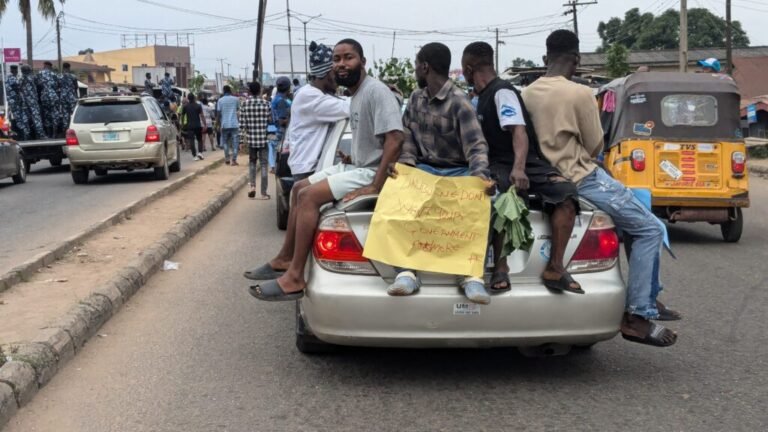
(72, 138)
(336, 248)
(638, 160)
(738, 163)
(599, 249)
(153, 135)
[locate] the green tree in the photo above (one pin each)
(47, 9)
(197, 82)
(520, 62)
(398, 72)
(85, 51)
(616, 61)
(648, 32)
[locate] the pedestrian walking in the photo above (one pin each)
(208, 114)
(254, 118)
(194, 126)
(226, 110)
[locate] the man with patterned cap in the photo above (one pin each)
(313, 110)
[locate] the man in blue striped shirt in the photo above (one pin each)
(230, 136)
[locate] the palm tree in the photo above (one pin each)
(47, 9)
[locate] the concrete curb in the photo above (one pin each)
(757, 169)
(25, 270)
(29, 366)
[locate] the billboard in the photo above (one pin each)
(11, 55)
(283, 60)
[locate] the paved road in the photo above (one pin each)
(193, 352)
(50, 207)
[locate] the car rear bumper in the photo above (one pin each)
(356, 310)
(145, 156)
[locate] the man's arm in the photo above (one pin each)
(472, 140)
(393, 142)
(409, 152)
(330, 109)
(589, 123)
(520, 146)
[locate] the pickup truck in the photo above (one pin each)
(36, 150)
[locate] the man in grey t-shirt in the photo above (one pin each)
(377, 137)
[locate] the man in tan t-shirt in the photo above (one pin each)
(567, 122)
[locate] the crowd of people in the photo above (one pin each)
(41, 103)
(543, 141)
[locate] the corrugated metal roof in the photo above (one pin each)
(659, 57)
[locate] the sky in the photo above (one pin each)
(225, 29)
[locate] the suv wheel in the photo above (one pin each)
(163, 171)
(306, 342)
(80, 175)
(21, 175)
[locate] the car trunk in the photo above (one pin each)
(111, 126)
(525, 266)
(688, 165)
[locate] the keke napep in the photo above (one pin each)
(678, 136)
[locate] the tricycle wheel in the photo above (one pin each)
(55, 161)
(732, 229)
(28, 165)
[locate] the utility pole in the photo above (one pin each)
(229, 70)
(394, 37)
(58, 36)
(496, 52)
(290, 41)
(683, 35)
(245, 72)
(306, 51)
(573, 4)
(259, 35)
(728, 38)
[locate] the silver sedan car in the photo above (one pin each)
(346, 302)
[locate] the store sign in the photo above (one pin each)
(12, 55)
(752, 113)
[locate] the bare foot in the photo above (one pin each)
(291, 284)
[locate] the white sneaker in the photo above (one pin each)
(197, 157)
(201, 155)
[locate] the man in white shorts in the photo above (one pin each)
(377, 138)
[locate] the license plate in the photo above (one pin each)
(111, 136)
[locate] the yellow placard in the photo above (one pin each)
(431, 223)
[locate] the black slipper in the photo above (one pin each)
(499, 277)
(265, 272)
(653, 338)
(271, 291)
(563, 284)
(252, 194)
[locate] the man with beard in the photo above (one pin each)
(443, 138)
(515, 159)
(48, 90)
(377, 135)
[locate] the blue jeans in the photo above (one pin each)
(632, 217)
(272, 145)
(230, 139)
(443, 172)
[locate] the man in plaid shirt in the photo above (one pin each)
(255, 114)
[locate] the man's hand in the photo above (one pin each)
(365, 190)
(490, 186)
(518, 178)
(392, 171)
(345, 158)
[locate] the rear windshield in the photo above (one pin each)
(112, 112)
(689, 110)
